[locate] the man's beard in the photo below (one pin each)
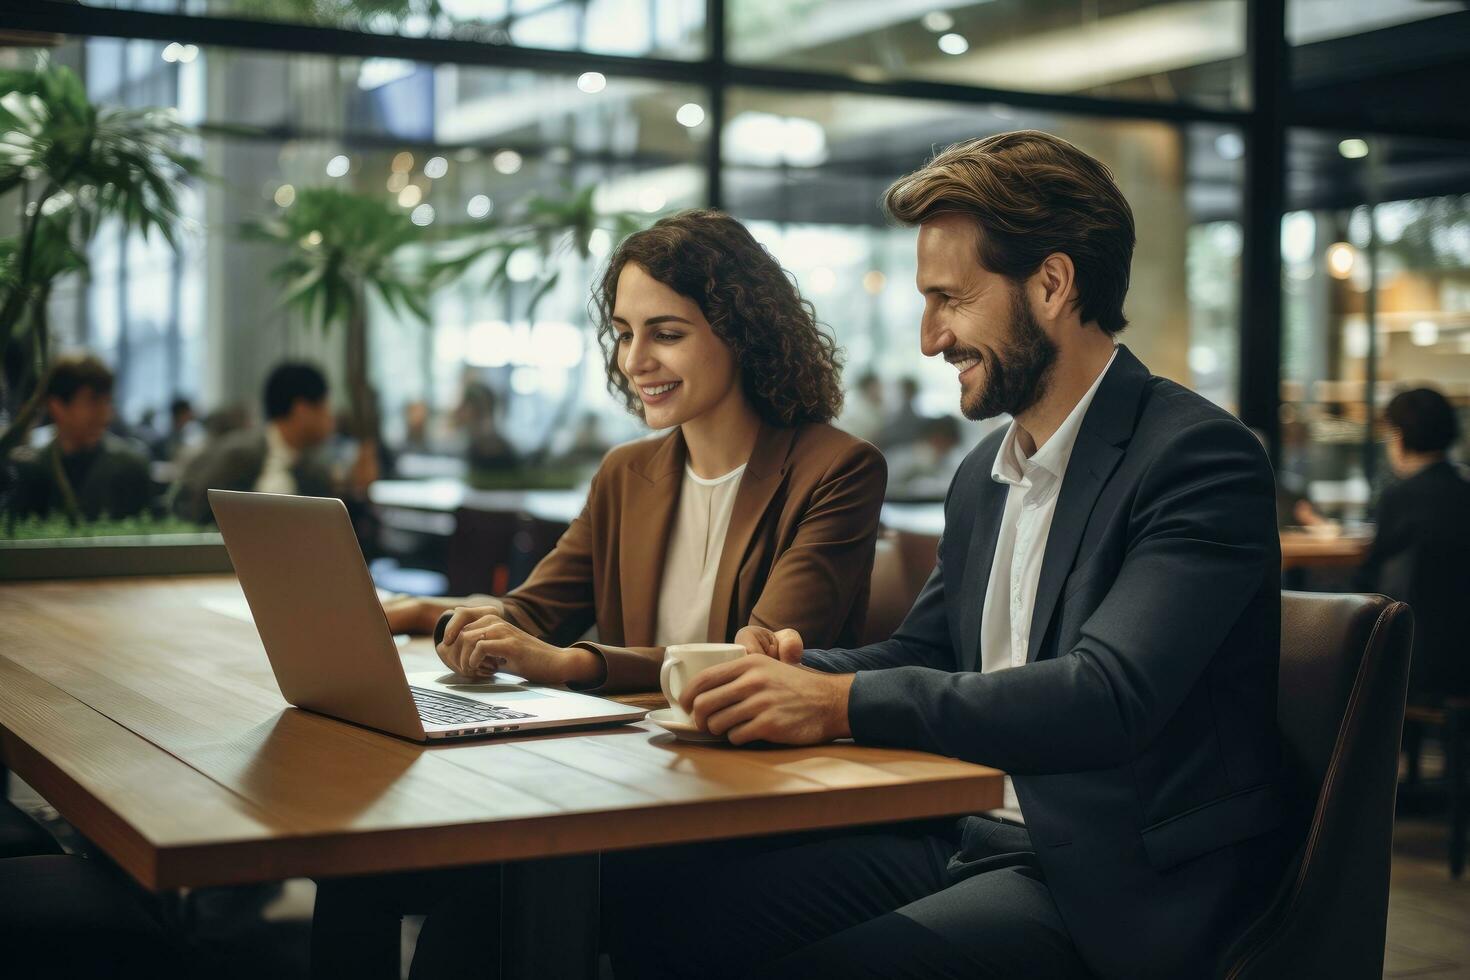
(1017, 372)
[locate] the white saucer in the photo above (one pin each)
(683, 730)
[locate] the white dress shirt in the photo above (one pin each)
(1031, 502)
(276, 475)
(693, 558)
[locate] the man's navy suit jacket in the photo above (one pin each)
(1141, 732)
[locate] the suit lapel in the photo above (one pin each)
(981, 556)
(762, 477)
(647, 521)
(1106, 428)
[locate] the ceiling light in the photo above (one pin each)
(1353, 149)
(507, 161)
(953, 44)
(690, 114)
(937, 21)
(592, 82)
(1424, 333)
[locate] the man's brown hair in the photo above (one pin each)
(1031, 194)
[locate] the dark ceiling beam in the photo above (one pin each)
(78, 19)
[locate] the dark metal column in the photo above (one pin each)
(715, 147)
(1265, 197)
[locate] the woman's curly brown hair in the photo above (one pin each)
(790, 368)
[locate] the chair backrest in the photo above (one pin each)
(888, 597)
(1344, 674)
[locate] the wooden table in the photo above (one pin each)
(1300, 549)
(145, 711)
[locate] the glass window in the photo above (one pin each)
(1126, 49)
(1376, 300)
(807, 172)
(659, 28)
(456, 149)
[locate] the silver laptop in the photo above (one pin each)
(328, 642)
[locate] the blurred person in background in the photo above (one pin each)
(923, 470)
(183, 431)
(416, 437)
(283, 457)
(84, 472)
(1421, 551)
(906, 425)
(478, 416)
(865, 414)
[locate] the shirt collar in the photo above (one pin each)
(276, 445)
(1011, 465)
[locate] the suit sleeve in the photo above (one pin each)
(1202, 539)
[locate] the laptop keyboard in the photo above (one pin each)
(451, 709)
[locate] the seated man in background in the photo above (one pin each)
(1421, 552)
(1103, 624)
(85, 472)
(280, 459)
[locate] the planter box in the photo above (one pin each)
(101, 557)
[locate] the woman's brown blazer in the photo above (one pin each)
(798, 552)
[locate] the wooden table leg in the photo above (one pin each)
(549, 918)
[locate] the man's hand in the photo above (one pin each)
(489, 644)
(782, 645)
(757, 698)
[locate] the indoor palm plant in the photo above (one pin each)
(339, 247)
(65, 164)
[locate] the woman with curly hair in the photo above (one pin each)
(752, 509)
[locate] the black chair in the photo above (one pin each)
(66, 916)
(20, 836)
(1344, 676)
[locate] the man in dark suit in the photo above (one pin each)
(281, 458)
(1102, 624)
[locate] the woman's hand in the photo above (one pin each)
(782, 645)
(412, 614)
(488, 644)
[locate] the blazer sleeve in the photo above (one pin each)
(1202, 541)
(557, 602)
(812, 583)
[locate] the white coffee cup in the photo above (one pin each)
(683, 660)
